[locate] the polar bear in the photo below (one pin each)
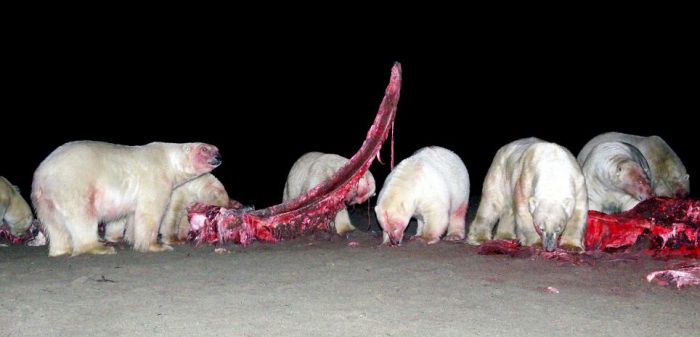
(617, 177)
(83, 183)
(14, 210)
(312, 169)
(668, 174)
(432, 186)
(537, 193)
(174, 227)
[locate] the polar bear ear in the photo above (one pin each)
(187, 147)
(686, 177)
(532, 203)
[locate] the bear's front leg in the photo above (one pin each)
(342, 222)
(435, 225)
(524, 224)
(505, 230)
(147, 219)
(486, 216)
(574, 234)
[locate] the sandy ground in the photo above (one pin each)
(320, 287)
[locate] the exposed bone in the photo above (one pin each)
(308, 213)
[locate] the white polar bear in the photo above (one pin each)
(175, 227)
(14, 210)
(668, 174)
(536, 192)
(83, 183)
(432, 186)
(312, 169)
(617, 177)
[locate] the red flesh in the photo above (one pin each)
(672, 225)
(309, 212)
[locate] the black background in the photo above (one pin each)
(266, 99)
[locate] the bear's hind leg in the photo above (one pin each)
(456, 228)
(59, 238)
(83, 232)
(52, 224)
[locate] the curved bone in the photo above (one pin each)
(309, 212)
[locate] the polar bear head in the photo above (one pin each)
(364, 190)
(393, 217)
(675, 183)
(549, 218)
(633, 179)
(621, 167)
(200, 158)
(671, 179)
(18, 215)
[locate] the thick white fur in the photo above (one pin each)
(432, 186)
(313, 168)
(174, 227)
(83, 183)
(533, 186)
(617, 177)
(14, 210)
(668, 174)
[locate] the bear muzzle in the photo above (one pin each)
(216, 161)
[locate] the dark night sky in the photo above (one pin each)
(265, 101)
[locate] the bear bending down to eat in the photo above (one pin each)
(313, 168)
(668, 174)
(617, 177)
(83, 183)
(433, 186)
(14, 210)
(174, 227)
(537, 193)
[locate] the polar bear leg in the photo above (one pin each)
(342, 222)
(59, 237)
(456, 227)
(83, 233)
(114, 231)
(506, 225)
(486, 216)
(435, 225)
(183, 229)
(572, 239)
(146, 221)
(524, 224)
(169, 225)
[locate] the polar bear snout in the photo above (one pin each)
(216, 161)
(207, 156)
(680, 193)
(549, 242)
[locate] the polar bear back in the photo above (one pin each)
(76, 169)
(310, 170)
(668, 173)
(428, 174)
(553, 168)
(114, 162)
